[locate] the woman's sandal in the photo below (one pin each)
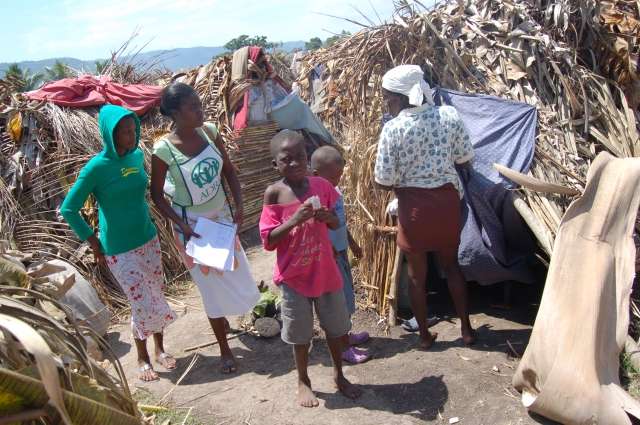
(164, 359)
(228, 366)
(147, 374)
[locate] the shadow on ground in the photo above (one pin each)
(393, 398)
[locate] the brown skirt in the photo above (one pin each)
(428, 219)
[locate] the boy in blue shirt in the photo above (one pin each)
(327, 162)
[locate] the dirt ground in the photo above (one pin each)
(401, 384)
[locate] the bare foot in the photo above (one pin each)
(306, 398)
(147, 374)
(468, 336)
(228, 365)
(347, 388)
(166, 360)
(427, 342)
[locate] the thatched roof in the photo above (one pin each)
(37, 170)
(573, 60)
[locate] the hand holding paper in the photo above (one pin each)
(216, 245)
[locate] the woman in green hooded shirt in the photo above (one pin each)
(127, 241)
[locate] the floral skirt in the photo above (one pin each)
(139, 273)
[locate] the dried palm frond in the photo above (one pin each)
(127, 67)
(45, 367)
(213, 84)
(281, 64)
(573, 60)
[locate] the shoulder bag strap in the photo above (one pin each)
(212, 138)
(175, 160)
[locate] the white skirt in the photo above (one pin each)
(229, 293)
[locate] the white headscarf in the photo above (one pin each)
(408, 80)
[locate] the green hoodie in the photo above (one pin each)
(119, 185)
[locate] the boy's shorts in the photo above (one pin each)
(297, 315)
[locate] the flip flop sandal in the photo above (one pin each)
(165, 357)
(358, 338)
(145, 368)
(228, 366)
(354, 356)
(411, 325)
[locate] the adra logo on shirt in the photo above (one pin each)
(128, 171)
(205, 172)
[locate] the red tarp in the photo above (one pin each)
(88, 90)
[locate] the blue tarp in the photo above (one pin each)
(496, 244)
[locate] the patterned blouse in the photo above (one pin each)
(420, 146)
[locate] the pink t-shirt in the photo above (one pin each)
(305, 259)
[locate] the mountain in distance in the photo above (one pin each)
(174, 59)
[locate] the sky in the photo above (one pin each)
(87, 29)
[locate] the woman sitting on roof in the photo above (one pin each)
(418, 152)
(128, 241)
(259, 95)
(256, 87)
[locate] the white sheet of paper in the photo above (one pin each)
(315, 202)
(229, 265)
(216, 245)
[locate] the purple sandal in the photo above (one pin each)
(354, 356)
(358, 338)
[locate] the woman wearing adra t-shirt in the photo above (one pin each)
(188, 165)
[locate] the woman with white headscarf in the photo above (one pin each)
(418, 152)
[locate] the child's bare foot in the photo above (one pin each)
(427, 342)
(306, 398)
(228, 364)
(347, 388)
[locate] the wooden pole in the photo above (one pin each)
(393, 290)
(210, 343)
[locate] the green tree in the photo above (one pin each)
(331, 40)
(313, 44)
(244, 40)
(25, 80)
(237, 42)
(14, 72)
(58, 71)
(101, 65)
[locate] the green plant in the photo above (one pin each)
(244, 40)
(58, 71)
(25, 80)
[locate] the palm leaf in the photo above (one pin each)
(81, 410)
